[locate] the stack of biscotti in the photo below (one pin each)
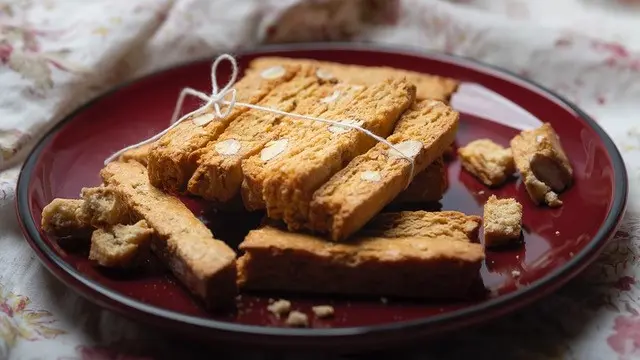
(208, 160)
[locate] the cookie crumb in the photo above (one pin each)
(481, 192)
(323, 311)
(384, 300)
(557, 233)
(297, 319)
(280, 307)
(515, 273)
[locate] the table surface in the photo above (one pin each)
(56, 54)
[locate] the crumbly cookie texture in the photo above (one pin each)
(323, 311)
(280, 307)
(206, 266)
(63, 217)
(104, 206)
(430, 264)
(544, 167)
(502, 221)
(174, 158)
(219, 173)
(120, 246)
(489, 162)
(428, 186)
(347, 201)
(315, 150)
(297, 319)
(428, 86)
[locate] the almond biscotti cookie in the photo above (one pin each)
(487, 161)
(428, 186)
(413, 267)
(449, 224)
(544, 167)
(502, 221)
(120, 246)
(139, 154)
(173, 158)
(64, 217)
(428, 86)
(371, 181)
(288, 189)
(206, 266)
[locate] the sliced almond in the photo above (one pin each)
(273, 72)
(410, 148)
(324, 74)
(331, 98)
(337, 129)
(273, 149)
(204, 119)
(228, 147)
(371, 176)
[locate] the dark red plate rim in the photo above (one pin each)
(473, 314)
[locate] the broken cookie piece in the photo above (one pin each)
(489, 162)
(63, 217)
(121, 246)
(323, 311)
(297, 319)
(103, 206)
(280, 307)
(502, 221)
(543, 164)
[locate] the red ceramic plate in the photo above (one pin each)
(558, 243)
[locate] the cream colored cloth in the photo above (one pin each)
(56, 54)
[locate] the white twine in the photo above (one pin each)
(217, 98)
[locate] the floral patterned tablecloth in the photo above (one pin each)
(56, 54)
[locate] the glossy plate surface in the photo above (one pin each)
(558, 243)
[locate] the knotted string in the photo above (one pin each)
(217, 98)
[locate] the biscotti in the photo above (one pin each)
(371, 181)
(428, 86)
(414, 267)
(206, 266)
(173, 158)
(544, 167)
(63, 217)
(487, 161)
(315, 152)
(434, 224)
(121, 246)
(428, 186)
(502, 221)
(139, 154)
(103, 206)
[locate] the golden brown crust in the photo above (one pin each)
(206, 266)
(449, 224)
(371, 181)
(543, 164)
(428, 86)
(489, 162)
(417, 267)
(63, 217)
(173, 158)
(428, 186)
(121, 246)
(502, 221)
(139, 154)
